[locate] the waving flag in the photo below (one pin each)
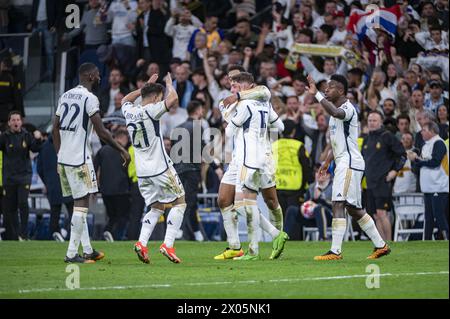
(363, 23)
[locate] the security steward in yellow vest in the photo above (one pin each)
(293, 169)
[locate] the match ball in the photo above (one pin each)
(307, 209)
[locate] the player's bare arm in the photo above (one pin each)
(55, 134)
(260, 93)
(172, 96)
(331, 109)
(132, 96)
(106, 137)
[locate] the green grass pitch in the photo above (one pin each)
(413, 270)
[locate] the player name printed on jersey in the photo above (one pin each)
(344, 139)
(143, 125)
(75, 107)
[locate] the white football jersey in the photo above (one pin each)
(143, 125)
(252, 119)
(75, 107)
(344, 139)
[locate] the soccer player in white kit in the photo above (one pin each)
(349, 168)
(158, 181)
(251, 125)
(77, 112)
(230, 194)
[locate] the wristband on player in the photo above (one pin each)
(238, 96)
(319, 97)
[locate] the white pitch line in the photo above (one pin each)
(228, 282)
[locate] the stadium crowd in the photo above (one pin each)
(398, 80)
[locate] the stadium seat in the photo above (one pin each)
(409, 209)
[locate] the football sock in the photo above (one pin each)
(267, 226)
(148, 224)
(253, 225)
(338, 226)
(174, 220)
(276, 217)
(368, 226)
(85, 240)
(230, 223)
(76, 230)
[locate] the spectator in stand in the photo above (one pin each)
(442, 116)
(433, 164)
(16, 143)
(182, 31)
(436, 97)
(153, 43)
(406, 180)
(340, 32)
(108, 95)
(214, 35)
(403, 125)
(329, 68)
(122, 14)
(114, 187)
(197, 54)
(183, 86)
(92, 25)
(434, 39)
(45, 18)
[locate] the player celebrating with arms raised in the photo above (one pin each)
(158, 181)
(349, 168)
(78, 110)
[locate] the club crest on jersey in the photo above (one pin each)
(378, 146)
(24, 144)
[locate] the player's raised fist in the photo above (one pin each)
(168, 79)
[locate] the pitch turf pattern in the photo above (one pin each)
(413, 270)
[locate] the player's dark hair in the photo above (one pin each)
(243, 77)
(193, 105)
(86, 68)
(410, 134)
(341, 79)
(14, 113)
(150, 89)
